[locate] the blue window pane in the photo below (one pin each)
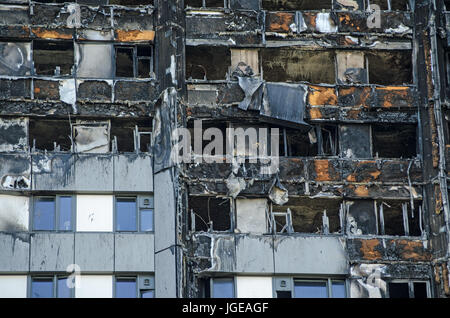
(146, 220)
(223, 288)
(126, 215)
(63, 290)
(126, 288)
(338, 290)
(310, 290)
(42, 288)
(147, 294)
(44, 214)
(65, 213)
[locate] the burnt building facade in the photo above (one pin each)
(314, 138)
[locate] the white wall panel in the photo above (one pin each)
(95, 213)
(14, 213)
(13, 286)
(254, 287)
(94, 286)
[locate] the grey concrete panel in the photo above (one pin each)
(94, 252)
(94, 172)
(15, 172)
(310, 255)
(164, 210)
(55, 172)
(51, 252)
(134, 252)
(165, 274)
(133, 172)
(14, 252)
(254, 254)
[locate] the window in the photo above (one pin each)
(222, 288)
(53, 213)
(53, 58)
(207, 63)
(49, 287)
(319, 289)
(408, 289)
(209, 214)
(131, 218)
(134, 61)
(134, 287)
(394, 141)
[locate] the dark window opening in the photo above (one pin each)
(53, 58)
(204, 3)
(390, 67)
(320, 216)
(420, 290)
(207, 63)
(382, 4)
(125, 135)
(210, 213)
(295, 143)
(50, 135)
(124, 62)
(284, 294)
(131, 2)
(295, 5)
(134, 61)
(399, 5)
(361, 217)
(393, 218)
(215, 151)
(398, 290)
(294, 65)
(394, 141)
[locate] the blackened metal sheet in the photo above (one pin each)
(253, 90)
(285, 103)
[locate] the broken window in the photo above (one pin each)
(355, 141)
(297, 143)
(207, 139)
(408, 289)
(295, 5)
(394, 5)
(131, 135)
(245, 62)
(351, 67)
(390, 67)
(207, 63)
(134, 61)
(306, 215)
(50, 135)
(397, 218)
(91, 136)
(295, 65)
(205, 3)
(15, 58)
(49, 287)
(53, 58)
(394, 141)
(53, 213)
(210, 214)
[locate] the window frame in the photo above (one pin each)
(139, 208)
(136, 58)
(293, 279)
(73, 69)
(54, 278)
(137, 278)
(57, 204)
(211, 285)
(410, 283)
